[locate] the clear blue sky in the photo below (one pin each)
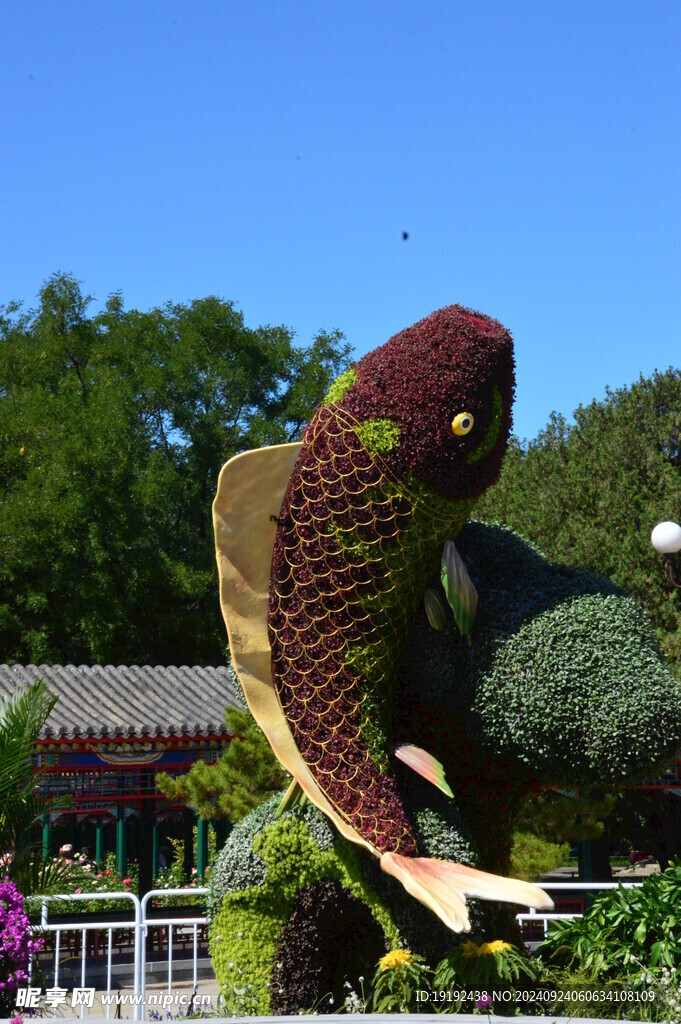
(274, 152)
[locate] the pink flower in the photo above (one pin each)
(16, 1020)
(127, 881)
(108, 871)
(100, 874)
(78, 890)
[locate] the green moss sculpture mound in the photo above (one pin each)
(563, 683)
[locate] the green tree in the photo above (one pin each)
(114, 428)
(562, 817)
(532, 857)
(589, 494)
(246, 775)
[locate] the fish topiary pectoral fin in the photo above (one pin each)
(424, 764)
(293, 797)
(443, 887)
(459, 588)
(435, 609)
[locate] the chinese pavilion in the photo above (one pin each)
(112, 730)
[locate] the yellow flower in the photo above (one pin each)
(21, 450)
(470, 949)
(396, 958)
(498, 946)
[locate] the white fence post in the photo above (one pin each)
(110, 926)
(166, 922)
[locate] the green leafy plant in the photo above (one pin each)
(399, 977)
(21, 804)
(532, 857)
(483, 967)
(623, 929)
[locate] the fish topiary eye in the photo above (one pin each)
(462, 423)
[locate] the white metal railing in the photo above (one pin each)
(58, 928)
(141, 925)
(543, 917)
(170, 923)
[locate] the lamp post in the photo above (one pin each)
(666, 538)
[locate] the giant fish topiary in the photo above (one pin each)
(387, 473)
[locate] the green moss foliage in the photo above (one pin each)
(239, 867)
(246, 928)
(379, 437)
(340, 387)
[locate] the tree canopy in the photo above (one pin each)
(114, 427)
(589, 494)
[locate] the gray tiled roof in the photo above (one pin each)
(127, 700)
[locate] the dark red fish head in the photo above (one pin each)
(447, 383)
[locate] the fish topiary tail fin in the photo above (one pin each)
(443, 886)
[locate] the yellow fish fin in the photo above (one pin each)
(443, 887)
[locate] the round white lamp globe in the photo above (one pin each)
(666, 538)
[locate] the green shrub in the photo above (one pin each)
(564, 681)
(624, 930)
